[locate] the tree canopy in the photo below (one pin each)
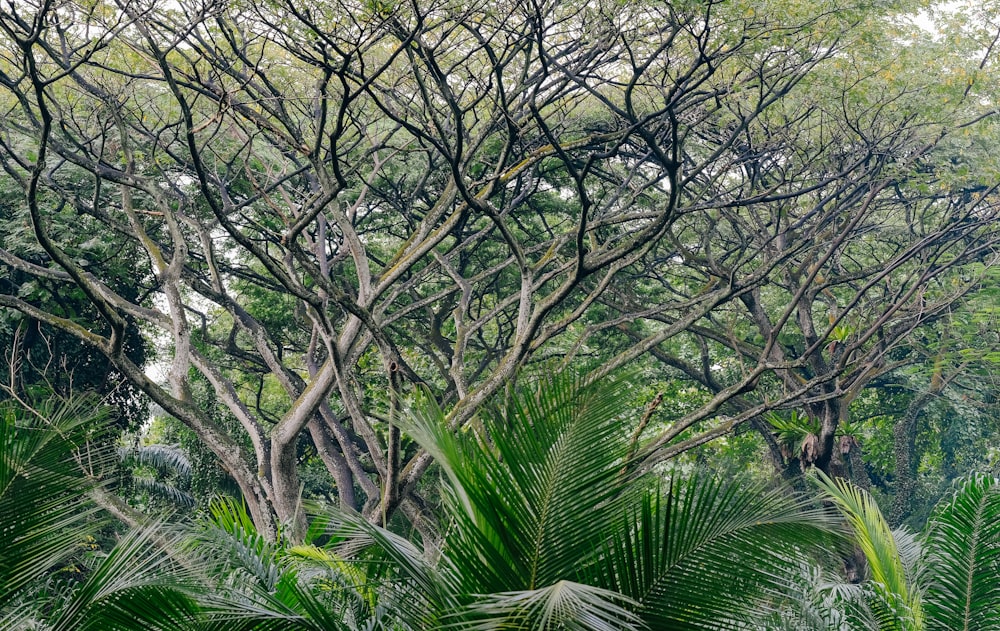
(312, 213)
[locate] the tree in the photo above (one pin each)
(546, 491)
(958, 373)
(336, 203)
(833, 285)
(38, 359)
(702, 553)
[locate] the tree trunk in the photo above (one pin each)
(335, 463)
(287, 491)
(830, 414)
(904, 438)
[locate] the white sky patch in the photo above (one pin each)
(924, 21)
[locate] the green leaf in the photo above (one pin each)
(533, 492)
(564, 605)
(712, 553)
(900, 605)
(963, 559)
(44, 508)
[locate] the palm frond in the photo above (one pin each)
(163, 458)
(963, 559)
(230, 544)
(898, 605)
(911, 552)
(44, 510)
(261, 585)
(536, 488)
(20, 618)
(709, 553)
(159, 488)
(294, 605)
(136, 586)
(416, 592)
(820, 601)
(565, 605)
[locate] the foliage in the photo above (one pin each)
(311, 213)
(40, 359)
(45, 513)
(50, 458)
(251, 582)
(781, 215)
(550, 527)
(895, 603)
(947, 579)
(158, 474)
(962, 558)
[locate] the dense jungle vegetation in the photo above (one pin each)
(589, 315)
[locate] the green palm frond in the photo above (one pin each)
(44, 509)
(539, 497)
(415, 592)
(232, 541)
(534, 491)
(911, 552)
(963, 559)
(261, 585)
(899, 603)
(792, 431)
(163, 458)
(136, 586)
(248, 588)
(49, 461)
(820, 601)
(20, 618)
(164, 490)
(709, 553)
(565, 605)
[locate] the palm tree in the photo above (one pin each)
(49, 455)
(947, 579)
(156, 474)
(549, 527)
(249, 582)
(44, 507)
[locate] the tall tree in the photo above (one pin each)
(892, 229)
(335, 202)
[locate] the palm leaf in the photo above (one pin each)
(44, 509)
(417, 593)
(168, 459)
(257, 584)
(710, 553)
(136, 586)
(963, 559)
(820, 602)
(534, 489)
(164, 490)
(564, 605)
(898, 605)
(234, 546)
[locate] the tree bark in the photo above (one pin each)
(904, 436)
